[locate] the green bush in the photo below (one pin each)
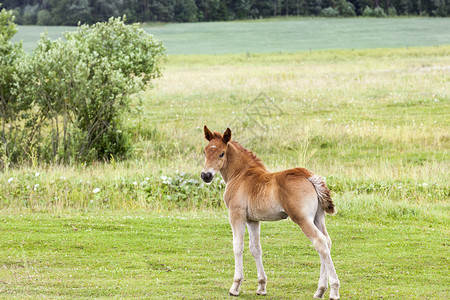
(13, 111)
(44, 17)
(368, 12)
(74, 92)
(30, 14)
(345, 9)
(392, 12)
(379, 12)
(85, 83)
(329, 12)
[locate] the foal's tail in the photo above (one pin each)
(323, 193)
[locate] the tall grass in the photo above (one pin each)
(373, 122)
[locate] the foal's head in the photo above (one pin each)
(215, 152)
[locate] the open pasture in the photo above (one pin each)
(189, 256)
(281, 35)
(375, 123)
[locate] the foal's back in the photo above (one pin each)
(275, 196)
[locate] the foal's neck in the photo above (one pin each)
(238, 162)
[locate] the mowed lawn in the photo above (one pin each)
(281, 35)
(189, 256)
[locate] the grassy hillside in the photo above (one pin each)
(283, 35)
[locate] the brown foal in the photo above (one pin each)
(253, 194)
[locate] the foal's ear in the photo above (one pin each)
(208, 134)
(226, 136)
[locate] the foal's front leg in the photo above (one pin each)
(255, 249)
(237, 221)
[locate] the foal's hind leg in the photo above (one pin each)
(255, 249)
(319, 221)
(320, 242)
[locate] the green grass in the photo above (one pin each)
(30, 35)
(374, 122)
(371, 121)
(279, 35)
(189, 256)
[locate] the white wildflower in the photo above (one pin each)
(36, 186)
(37, 174)
(96, 190)
(134, 182)
(10, 180)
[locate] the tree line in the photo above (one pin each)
(71, 12)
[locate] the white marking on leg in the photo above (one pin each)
(255, 249)
(238, 248)
(322, 287)
(321, 245)
(323, 280)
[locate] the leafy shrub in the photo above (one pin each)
(345, 9)
(329, 12)
(379, 12)
(392, 12)
(368, 12)
(77, 89)
(13, 111)
(30, 14)
(44, 17)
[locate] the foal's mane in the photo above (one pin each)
(253, 160)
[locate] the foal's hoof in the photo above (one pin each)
(261, 292)
(334, 291)
(234, 295)
(320, 292)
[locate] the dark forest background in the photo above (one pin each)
(70, 12)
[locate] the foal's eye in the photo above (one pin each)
(221, 155)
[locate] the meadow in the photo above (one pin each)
(189, 256)
(373, 122)
(280, 35)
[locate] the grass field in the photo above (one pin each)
(280, 35)
(189, 256)
(374, 122)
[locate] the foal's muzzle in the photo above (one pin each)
(207, 176)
